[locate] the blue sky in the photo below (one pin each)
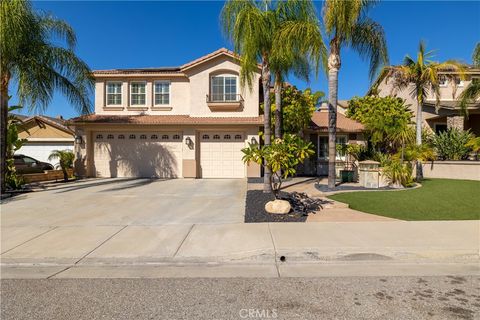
(118, 34)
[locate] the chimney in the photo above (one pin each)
(60, 117)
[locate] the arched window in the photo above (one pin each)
(99, 136)
(143, 136)
(176, 137)
(238, 137)
(216, 137)
(154, 137)
(132, 136)
(110, 136)
(205, 137)
(121, 136)
(227, 137)
(165, 137)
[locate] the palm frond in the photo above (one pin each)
(471, 94)
(476, 55)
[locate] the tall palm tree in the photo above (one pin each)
(421, 77)
(255, 28)
(472, 91)
(346, 24)
(36, 65)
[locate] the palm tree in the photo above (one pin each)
(255, 28)
(30, 59)
(421, 77)
(65, 158)
(346, 24)
(472, 92)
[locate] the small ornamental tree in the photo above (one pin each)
(281, 157)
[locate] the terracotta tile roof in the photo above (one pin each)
(209, 56)
(164, 119)
(344, 124)
(59, 123)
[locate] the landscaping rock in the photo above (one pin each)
(278, 206)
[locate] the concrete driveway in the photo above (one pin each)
(143, 202)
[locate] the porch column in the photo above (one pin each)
(457, 122)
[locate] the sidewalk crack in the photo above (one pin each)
(41, 234)
(274, 250)
(181, 243)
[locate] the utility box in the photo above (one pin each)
(369, 174)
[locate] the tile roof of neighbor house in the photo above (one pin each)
(344, 124)
(169, 70)
(58, 122)
(164, 119)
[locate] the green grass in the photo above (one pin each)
(437, 199)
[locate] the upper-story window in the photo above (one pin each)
(224, 88)
(162, 92)
(137, 93)
(114, 93)
(458, 82)
(442, 81)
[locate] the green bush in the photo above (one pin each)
(397, 172)
(453, 144)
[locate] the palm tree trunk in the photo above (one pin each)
(65, 174)
(333, 67)
(278, 107)
(267, 187)
(419, 125)
(3, 127)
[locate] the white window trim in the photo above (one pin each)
(326, 157)
(225, 75)
(106, 93)
(169, 93)
(130, 93)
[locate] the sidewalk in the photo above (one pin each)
(241, 248)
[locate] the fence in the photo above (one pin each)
(47, 175)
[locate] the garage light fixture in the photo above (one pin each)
(253, 140)
(189, 142)
(78, 139)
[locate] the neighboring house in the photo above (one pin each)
(348, 132)
(448, 114)
(189, 121)
(44, 134)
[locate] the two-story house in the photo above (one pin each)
(188, 121)
(448, 113)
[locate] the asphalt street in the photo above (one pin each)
(442, 297)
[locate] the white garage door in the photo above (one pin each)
(42, 150)
(221, 155)
(138, 154)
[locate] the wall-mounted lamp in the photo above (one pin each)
(78, 140)
(189, 142)
(253, 140)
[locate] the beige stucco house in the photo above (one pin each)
(188, 121)
(44, 134)
(448, 113)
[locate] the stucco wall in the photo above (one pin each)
(468, 170)
(187, 92)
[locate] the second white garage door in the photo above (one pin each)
(134, 154)
(221, 155)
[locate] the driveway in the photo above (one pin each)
(143, 202)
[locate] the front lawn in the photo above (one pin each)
(437, 199)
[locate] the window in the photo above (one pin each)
(110, 136)
(323, 147)
(143, 137)
(227, 137)
(205, 137)
(121, 136)
(458, 82)
(132, 136)
(238, 137)
(216, 137)
(165, 137)
(162, 92)
(137, 93)
(176, 137)
(224, 88)
(99, 136)
(114, 93)
(29, 160)
(154, 137)
(440, 127)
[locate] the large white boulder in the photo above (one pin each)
(278, 206)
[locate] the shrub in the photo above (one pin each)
(397, 172)
(452, 144)
(66, 158)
